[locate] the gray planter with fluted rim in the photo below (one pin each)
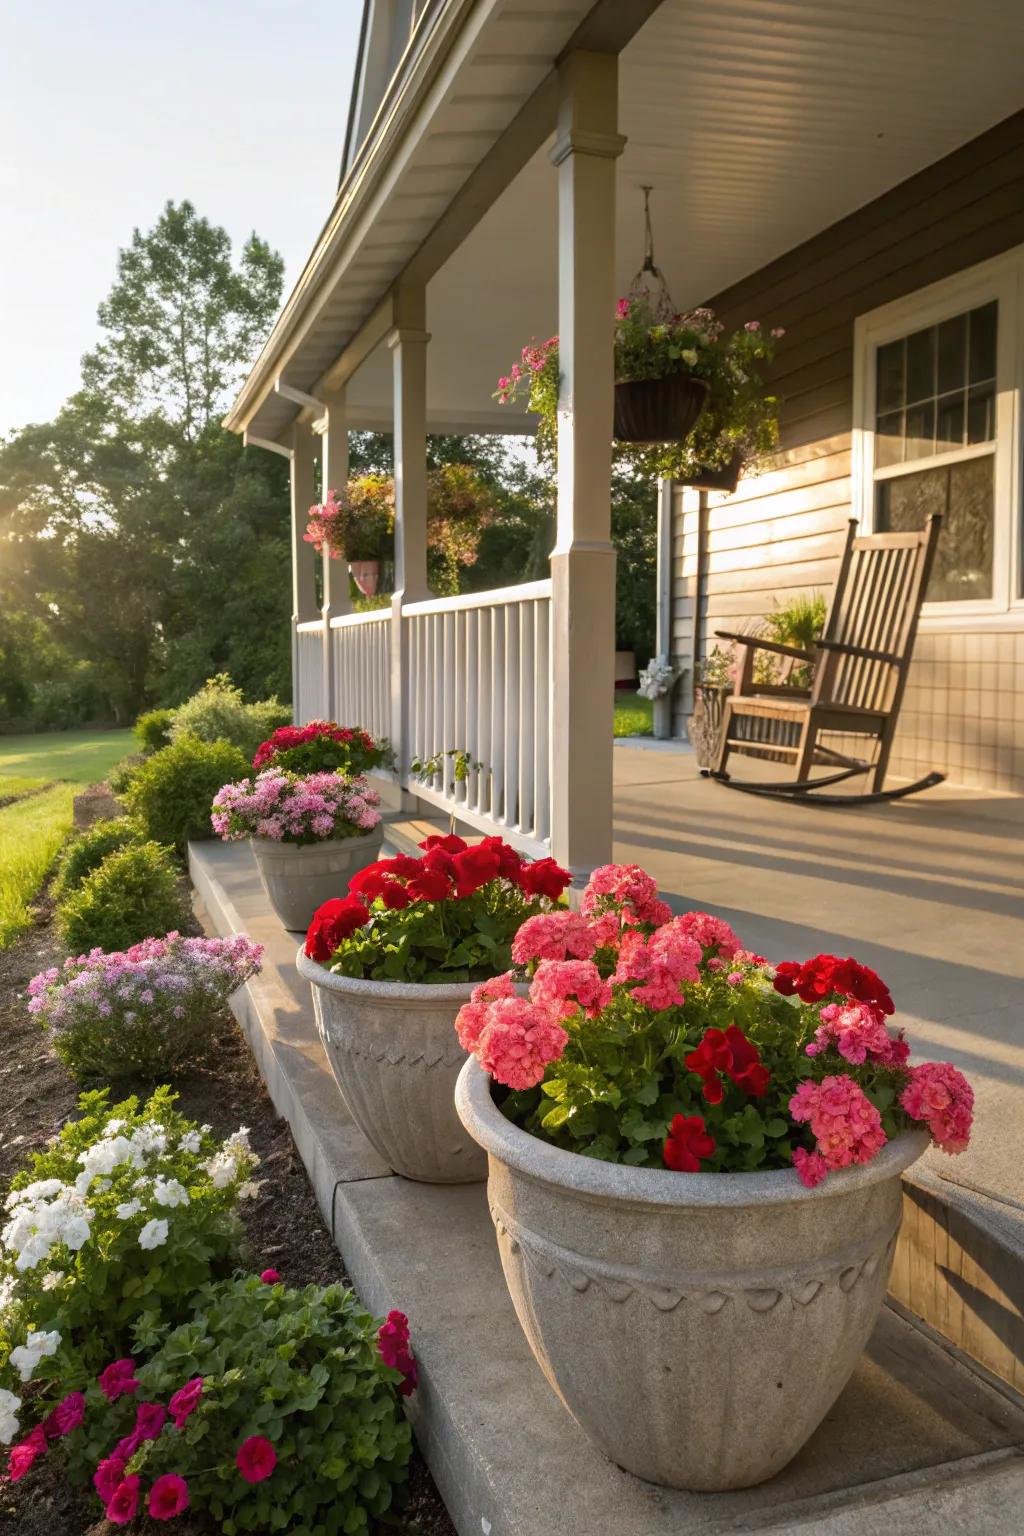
(298, 880)
(698, 1327)
(396, 1058)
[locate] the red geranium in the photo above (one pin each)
(687, 1143)
(365, 752)
(544, 877)
(829, 976)
(332, 922)
(450, 844)
(475, 867)
(728, 1051)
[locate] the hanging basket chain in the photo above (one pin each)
(648, 287)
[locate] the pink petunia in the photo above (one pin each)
(256, 1459)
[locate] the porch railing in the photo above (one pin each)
(474, 677)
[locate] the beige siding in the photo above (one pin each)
(781, 532)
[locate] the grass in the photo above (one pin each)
(634, 716)
(81, 757)
(32, 830)
(31, 833)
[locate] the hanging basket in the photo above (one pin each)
(658, 410)
(703, 478)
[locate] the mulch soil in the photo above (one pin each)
(284, 1225)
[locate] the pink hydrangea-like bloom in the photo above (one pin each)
(624, 886)
(472, 1016)
(711, 933)
(859, 1034)
(943, 1098)
(553, 936)
(518, 1041)
(563, 986)
(846, 1126)
(660, 964)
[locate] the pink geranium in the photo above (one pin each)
(625, 887)
(713, 934)
(518, 1041)
(563, 986)
(553, 936)
(472, 1016)
(942, 1097)
(859, 1033)
(846, 1126)
(658, 964)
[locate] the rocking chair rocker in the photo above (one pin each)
(860, 671)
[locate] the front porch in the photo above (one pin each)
(918, 1441)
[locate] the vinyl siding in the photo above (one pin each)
(781, 532)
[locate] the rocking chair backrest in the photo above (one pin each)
(876, 605)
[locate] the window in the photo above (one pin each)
(936, 416)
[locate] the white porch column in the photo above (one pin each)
(304, 607)
(583, 560)
(663, 613)
(408, 344)
(333, 427)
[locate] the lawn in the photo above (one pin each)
(81, 757)
(32, 829)
(634, 716)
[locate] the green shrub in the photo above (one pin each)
(218, 712)
(132, 1245)
(173, 790)
(120, 777)
(133, 894)
(154, 729)
(88, 849)
(300, 1373)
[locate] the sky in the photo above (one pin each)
(109, 108)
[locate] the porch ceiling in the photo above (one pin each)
(758, 122)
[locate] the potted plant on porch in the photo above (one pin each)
(309, 833)
(392, 964)
(694, 1176)
(357, 527)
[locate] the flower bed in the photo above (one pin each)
(143, 1010)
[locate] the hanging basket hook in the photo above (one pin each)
(648, 288)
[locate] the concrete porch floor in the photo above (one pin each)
(918, 1444)
(929, 891)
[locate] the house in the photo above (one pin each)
(853, 174)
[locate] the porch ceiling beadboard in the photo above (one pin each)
(758, 122)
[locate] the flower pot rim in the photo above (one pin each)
(618, 1183)
(374, 835)
(415, 993)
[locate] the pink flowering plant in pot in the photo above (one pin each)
(391, 963)
(142, 1011)
(704, 1097)
(127, 1212)
(267, 1409)
(309, 833)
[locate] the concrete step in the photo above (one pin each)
(918, 1442)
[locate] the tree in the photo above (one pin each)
(138, 537)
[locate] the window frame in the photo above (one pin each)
(1000, 279)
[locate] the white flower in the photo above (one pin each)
(250, 1189)
(76, 1233)
(239, 1142)
(153, 1234)
(35, 1249)
(53, 1279)
(190, 1142)
(689, 357)
(104, 1156)
(221, 1169)
(206, 1129)
(169, 1192)
(129, 1209)
(112, 1127)
(27, 1356)
(150, 1138)
(42, 1189)
(9, 1405)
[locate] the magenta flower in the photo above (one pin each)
(26, 1453)
(185, 1401)
(395, 1351)
(67, 1416)
(270, 1277)
(256, 1459)
(168, 1497)
(124, 1502)
(118, 1378)
(108, 1477)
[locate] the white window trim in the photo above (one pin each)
(1002, 279)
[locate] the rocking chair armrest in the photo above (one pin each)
(863, 651)
(765, 645)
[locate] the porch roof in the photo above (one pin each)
(758, 122)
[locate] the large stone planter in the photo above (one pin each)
(396, 1058)
(697, 1326)
(298, 880)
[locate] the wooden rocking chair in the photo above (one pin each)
(860, 671)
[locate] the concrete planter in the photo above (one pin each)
(698, 1327)
(298, 880)
(396, 1057)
